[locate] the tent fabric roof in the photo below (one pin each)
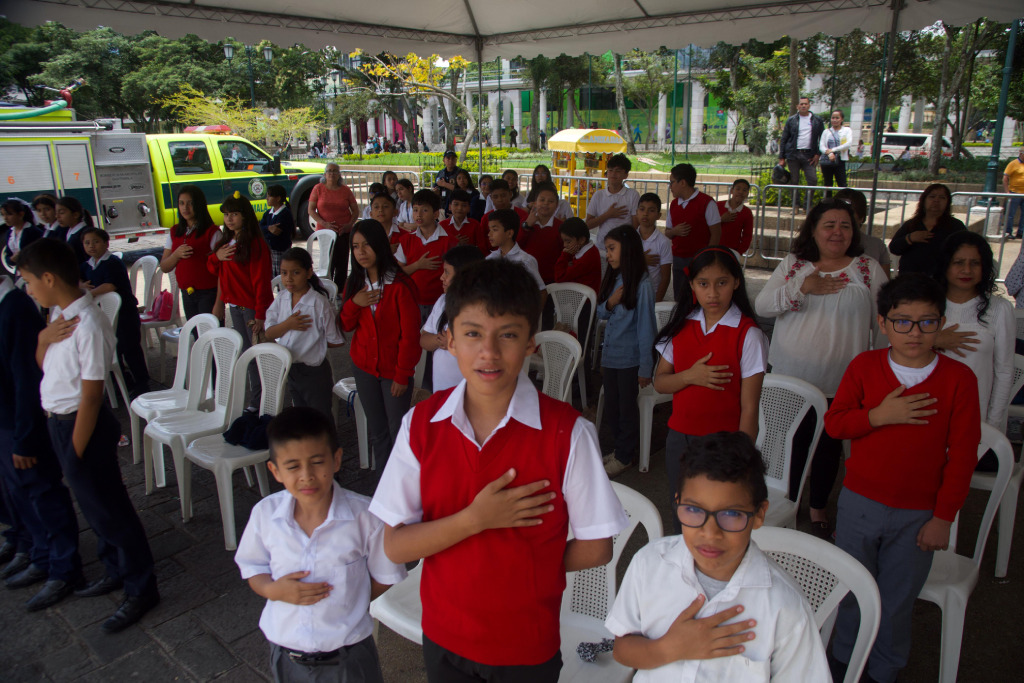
(507, 29)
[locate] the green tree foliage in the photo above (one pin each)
(653, 81)
(537, 73)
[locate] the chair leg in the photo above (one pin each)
(147, 462)
(183, 471)
(646, 427)
(261, 477)
(136, 427)
(1007, 513)
(954, 611)
(226, 499)
(248, 476)
(362, 433)
(581, 376)
(600, 409)
(163, 361)
(108, 387)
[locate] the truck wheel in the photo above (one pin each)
(302, 220)
(888, 159)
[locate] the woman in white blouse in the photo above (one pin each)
(822, 296)
(980, 330)
(835, 146)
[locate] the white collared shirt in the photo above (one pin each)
(14, 239)
(6, 286)
(564, 210)
(661, 582)
(594, 510)
(659, 245)
(754, 358)
(446, 367)
(517, 255)
(93, 262)
(214, 237)
(49, 229)
(308, 346)
(711, 215)
(75, 229)
(603, 200)
(345, 551)
(438, 233)
(85, 355)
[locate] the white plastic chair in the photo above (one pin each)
(110, 304)
(587, 598)
(785, 402)
(325, 240)
(166, 401)
(147, 266)
(561, 354)
(569, 300)
(173, 335)
(158, 325)
(217, 455)
(179, 429)
(1018, 317)
(826, 575)
(953, 577)
(1015, 414)
(345, 390)
(648, 397)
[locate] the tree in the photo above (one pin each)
(571, 73)
(537, 74)
(23, 51)
(358, 106)
(646, 89)
(620, 104)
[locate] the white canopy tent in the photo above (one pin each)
(485, 29)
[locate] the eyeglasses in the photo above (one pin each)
(903, 326)
(728, 520)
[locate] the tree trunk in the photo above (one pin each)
(620, 104)
(948, 85)
(794, 76)
(535, 118)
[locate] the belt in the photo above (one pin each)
(805, 150)
(62, 417)
(313, 658)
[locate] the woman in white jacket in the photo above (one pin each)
(835, 146)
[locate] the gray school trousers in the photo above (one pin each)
(311, 386)
(357, 663)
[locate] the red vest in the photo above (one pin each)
(694, 214)
(543, 244)
(467, 232)
(428, 282)
(192, 271)
(495, 597)
(697, 410)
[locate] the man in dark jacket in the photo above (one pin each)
(799, 148)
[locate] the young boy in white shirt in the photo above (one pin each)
(613, 205)
(316, 554)
(657, 247)
(669, 616)
(75, 351)
(502, 234)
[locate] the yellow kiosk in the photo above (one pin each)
(586, 150)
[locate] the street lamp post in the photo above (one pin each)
(268, 54)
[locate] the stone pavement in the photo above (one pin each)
(206, 627)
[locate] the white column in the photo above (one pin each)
(1009, 125)
(731, 118)
(857, 118)
(904, 124)
(492, 105)
(354, 133)
(428, 122)
(506, 109)
(371, 126)
(659, 137)
(517, 114)
(506, 69)
(696, 112)
(543, 117)
(389, 128)
(919, 115)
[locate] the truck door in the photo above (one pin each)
(246, 171)
(28, 170)
(188, 162)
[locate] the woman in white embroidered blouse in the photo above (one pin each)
(823, 299)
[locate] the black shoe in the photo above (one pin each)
(18, 563)
(7, 552)
(108, 584)
(130, 611)
(52, 592)
(26, 577)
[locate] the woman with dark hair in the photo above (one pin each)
(464, 182)
(966, 270)
(823, 299)
(18, 229)
(188, 247)
(919, 240)
(380, 309)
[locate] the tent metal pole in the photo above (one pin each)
(590, 92)
(883, 103)
(672, 128)
(993, 159)
(689, 102)
(480, 104)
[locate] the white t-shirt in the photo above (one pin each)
(803, 138)
(911, 377)
(661, 246)
(85, 355)
(602, 201)
(309, 346)
(517, 255)
(661, 582)
(345, 551)
(754, 358)
(446, 367)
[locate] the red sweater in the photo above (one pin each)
(911, 467)
(245, 284)
(738, 233)
(697, 410)
(543, 244)
(466, 234)
(585, 270)
(695, 215)
(428, 282)
(193, 271)
(387, 342)
(481, 232)
(494, 597)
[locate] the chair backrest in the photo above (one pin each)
(110, 304)
(146, 265)
(331, 287)
(826, 575)
(1018, 316)
(663, 312)
(568, 299)
(325, 239)
(591, 592)
(275, 284)
(991, 440)
(222, 346)
(561, 354)
(1018, 375)
(200, 324)
(155, 287)
(785, 402)
(273, 362)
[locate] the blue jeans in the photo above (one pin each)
(1015, 206)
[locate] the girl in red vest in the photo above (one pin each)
(713, 356)
(188, 246)
(380, 305)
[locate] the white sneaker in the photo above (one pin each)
(615, 467)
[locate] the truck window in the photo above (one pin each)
(190, 157)
(239, 155)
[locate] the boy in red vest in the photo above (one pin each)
(420, 252)
(484, 482)
(459, 225)
(693, 222)
(539, 236)
(914, 424)
(501, 197)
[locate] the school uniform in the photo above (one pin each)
(517, 255)
(310, 379)
(16, 241)
(701, 212)
(657, 245)
(73, 237)
(109, 269)
(412, 246)
(493, 599)
(544, 243)
(198, 286)
(55, 231)
(464, 232)
(47, 528)
(583, 267)
(346, 550)
(663, 579)
(481, 233)
(738, 233)
(478, 207)
(278, 244)
(95, 476)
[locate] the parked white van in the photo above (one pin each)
(920, 144)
